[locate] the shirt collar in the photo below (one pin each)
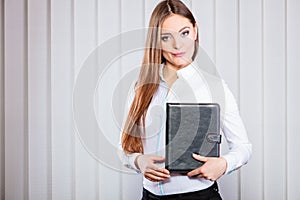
(185, 72)
(161, 68)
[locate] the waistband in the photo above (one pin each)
(204, 192)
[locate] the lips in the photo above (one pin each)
(180, 54)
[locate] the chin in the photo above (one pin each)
(181, 62)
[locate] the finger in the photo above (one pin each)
(153, 177)
(200, 176)
(206, 177)
(150, 179)
(163, 170)
(200, 158)
(195, 172)
(210, 178)
(158, 159)
(160, 174)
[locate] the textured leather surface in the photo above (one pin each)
(191, 128)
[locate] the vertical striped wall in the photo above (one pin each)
(255, 45)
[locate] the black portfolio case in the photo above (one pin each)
(191, 128)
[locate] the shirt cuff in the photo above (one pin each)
(230, 163)
(131, 159)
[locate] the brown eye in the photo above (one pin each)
(185, 33)
(165, 38)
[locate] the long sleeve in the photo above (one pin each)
(240, 149)
(127, 159)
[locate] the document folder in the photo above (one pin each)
(191, 128)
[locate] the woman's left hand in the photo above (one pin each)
(212, 169)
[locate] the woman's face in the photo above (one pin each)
(178, 41)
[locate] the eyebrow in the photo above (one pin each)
(179, 30)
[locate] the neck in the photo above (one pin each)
(169, 72)
(170, 75)
(176, 67)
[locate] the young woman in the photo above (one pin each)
(168, 74)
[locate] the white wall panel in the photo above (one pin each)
(274, 81)
(188, 3)
(132, 18)
(62, 75)
(149, 7)
(16, 126)
(2, 143)
(109, 27)
(109, 19)
(227, 43)
(251, 95)
(85, 38)
(204, 12)
(39, 132)
(293, 98)
(227, 62)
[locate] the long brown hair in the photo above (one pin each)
(148, 80)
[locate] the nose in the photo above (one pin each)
(177, 43)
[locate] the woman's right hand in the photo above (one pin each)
(146, 164)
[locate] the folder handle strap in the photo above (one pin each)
(214, 138)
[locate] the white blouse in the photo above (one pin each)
(191, 86)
